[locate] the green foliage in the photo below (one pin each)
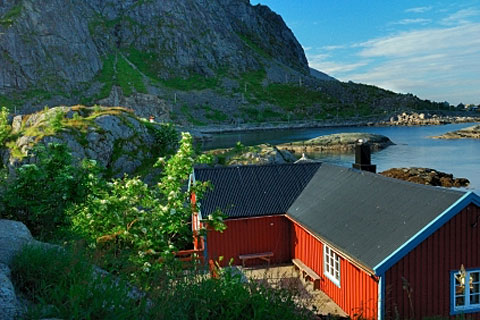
(229, 297)
(166, 137)
(11, 15)
(247, 39)
(5, 128)
(214, 114)
(147, 222)
(56, 122)
(117, 71)
(127, 77)
(5, 101)
(40, 193)
(190, 118)
(64, 285)
(195, 82)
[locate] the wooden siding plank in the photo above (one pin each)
(429, 265)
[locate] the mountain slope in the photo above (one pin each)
(193, 61)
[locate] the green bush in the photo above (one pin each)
(5, 128)
(40, 192)
(63, 285)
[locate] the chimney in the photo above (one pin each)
(362, 157)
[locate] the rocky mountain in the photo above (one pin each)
(192, 61)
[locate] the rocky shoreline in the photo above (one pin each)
(426, 176)
(404, 119)
(466, 133)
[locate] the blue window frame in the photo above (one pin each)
(465, 291)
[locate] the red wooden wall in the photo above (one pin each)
(358, 292)
(427, 268)
(252, 235)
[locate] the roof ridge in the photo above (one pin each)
(259, 165)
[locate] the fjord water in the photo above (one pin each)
(413, 147)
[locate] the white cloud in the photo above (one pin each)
(334, 47)
(418, 9)
(320, 62)
(438, 64)
(461, 17)
(413, 21)
(423, 41)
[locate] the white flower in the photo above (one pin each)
(141, 254)
(173, 211)
(147, 265)
(144, 230)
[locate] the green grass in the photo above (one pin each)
(214, 115)
(63, 285)
(11, 15)
(252, 45)
(6, 102)
(195, 82)
(185, 110)
(126, 77)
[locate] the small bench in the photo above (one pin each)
(264, 256)
(308, 273)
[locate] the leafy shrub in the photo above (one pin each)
(5, 128)
(228, 297)
(56, 122)
(64, 285)
(148, 222)
(40, 192)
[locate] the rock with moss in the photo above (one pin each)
(426, 176)
(340, 142)
(116, 138)
(472, 132)
(245, 155)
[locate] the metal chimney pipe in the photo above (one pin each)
(363, 157)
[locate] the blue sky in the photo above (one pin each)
(428, 48)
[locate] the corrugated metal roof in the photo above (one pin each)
(366, 215)
(254, 190)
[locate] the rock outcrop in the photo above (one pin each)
(13, 236)
(426, 176)
(339, 142)
(466, 133)
(260, 154)
(115, 137)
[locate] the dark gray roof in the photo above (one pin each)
(249, 191)
(366, 215)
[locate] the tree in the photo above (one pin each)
(40, 192)
(5, 128)
(150, 222)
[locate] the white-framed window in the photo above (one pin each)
(331, 265)
(465, 291)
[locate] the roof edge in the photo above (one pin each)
(426, 231)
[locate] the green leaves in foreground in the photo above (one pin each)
(64, 285)
(148, 222)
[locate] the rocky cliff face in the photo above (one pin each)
(53, 48)
(191, 61)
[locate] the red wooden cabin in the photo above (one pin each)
(383, 248)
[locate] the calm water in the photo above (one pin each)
(413, 148)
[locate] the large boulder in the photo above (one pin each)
(13, 236)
